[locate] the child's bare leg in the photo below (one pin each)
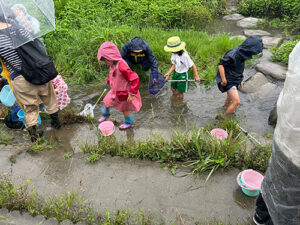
(235, 100)
(126, 114)
(175, 92)
(180, 95)
(227, 100)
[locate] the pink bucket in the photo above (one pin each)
(252, 179)
(219, 133)
(107, 128)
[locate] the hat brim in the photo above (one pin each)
(175, 49)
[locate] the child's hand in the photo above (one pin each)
(167, 76)
(130, 98)
(242, 84)
(224, 83)
(197, 79)
(56, 90)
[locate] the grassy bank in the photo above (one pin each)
(81, 27)
(69, 206)
(5, 138)
(195, 149)
(282, 52)
(283, 14)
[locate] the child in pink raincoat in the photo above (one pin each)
(124, 83)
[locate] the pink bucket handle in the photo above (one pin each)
(239, 182)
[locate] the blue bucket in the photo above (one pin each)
(21, 116)
(6, 96)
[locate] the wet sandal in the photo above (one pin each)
(125, 126)
(103, 118)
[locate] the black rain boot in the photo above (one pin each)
(33, 133)
(55, 121)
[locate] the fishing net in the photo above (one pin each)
(156, 82)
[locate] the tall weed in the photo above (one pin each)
(82, 26)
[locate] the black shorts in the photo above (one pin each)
(227, 87)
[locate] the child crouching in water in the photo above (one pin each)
(181, 64)
(231, 67)
(124, 83)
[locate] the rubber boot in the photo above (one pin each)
(33, 133)
(54, 120)
(105, 114)
(127, 123)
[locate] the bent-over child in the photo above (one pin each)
(124, 92)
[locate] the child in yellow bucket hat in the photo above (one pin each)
(181, 63)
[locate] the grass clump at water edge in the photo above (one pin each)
(196, 149)
(67, 206)
(71, 206)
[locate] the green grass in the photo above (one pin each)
(195, 149)
(68, 155)
(82, 26)
(71, 206)
(282, 52)
(75, 55)
(283, 14)
(5, 138)
(67, 206)
(43, 144)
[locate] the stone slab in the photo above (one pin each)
(242, 37)
(264, 92)
(254, 83)
(270, 41)
(233, 17)
(248, 22)
(51, 221)
(66, 222)
(274, 70)
(248, 32)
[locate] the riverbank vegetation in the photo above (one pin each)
(5, 138)
(283, 14)
(196, 150)
(282, 52)
(81, 27)
(69, 206)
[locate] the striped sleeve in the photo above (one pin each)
(8, 53)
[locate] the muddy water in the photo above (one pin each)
(163, 113)
(115, 183)
(220, 26)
